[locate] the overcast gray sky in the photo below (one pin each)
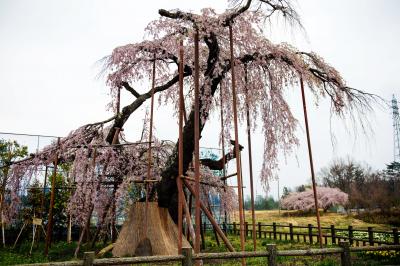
(48, 71)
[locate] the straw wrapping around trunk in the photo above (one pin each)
(161, 231)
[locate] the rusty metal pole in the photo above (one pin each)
(237, 152)
(253, 216)
(223, 145)
(150, 139)
(311, 161)
(114, 207)
(196, 143)
(49, 232)
(180, 152)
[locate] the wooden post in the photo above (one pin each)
(246, 228)
(370, 236)
(52, 198)
(272, 256)
(310, 234)
(234, 228)
(291, 231)
(345, 257)
(224, 227)
(187, 252)
(351, 240)
(88, 258)
(274, 229)
(333, 234)
(259, 229)
(395, 236)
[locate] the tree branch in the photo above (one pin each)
(129, 109)
(130, 89)
(177, 15)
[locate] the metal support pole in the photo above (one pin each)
(52, 198)
(237, 152)
(43, 197)
(223, 145)
(253, 217)
(180, 152)
(311, 161)
(196, 142)
(150, 139)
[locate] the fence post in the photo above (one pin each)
(271, 248)
(345, 255)
(333, 234)
(259, 229)
(187, 260)
(310, 226)
(395, 236)
(88, 258)
(246, 228)
(351, 235)
(274, 229)
(234, 228)
(291, 231)
(224, 228)
(370, 236)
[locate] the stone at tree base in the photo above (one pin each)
(162, 232)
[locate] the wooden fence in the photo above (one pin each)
(188, 258)
(309, 234)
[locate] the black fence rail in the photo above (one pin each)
(188, 258)
(309, 234)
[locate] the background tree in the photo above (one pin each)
(261, 203)
(286, 192)
(304, 201)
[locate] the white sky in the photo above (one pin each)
(48, 72)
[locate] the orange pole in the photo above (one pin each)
(237, 151)
(311, 161)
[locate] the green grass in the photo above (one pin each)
(60, 251)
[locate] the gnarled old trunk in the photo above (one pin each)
(167, 189)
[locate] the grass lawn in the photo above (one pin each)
(62, 251)
(286, 217)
